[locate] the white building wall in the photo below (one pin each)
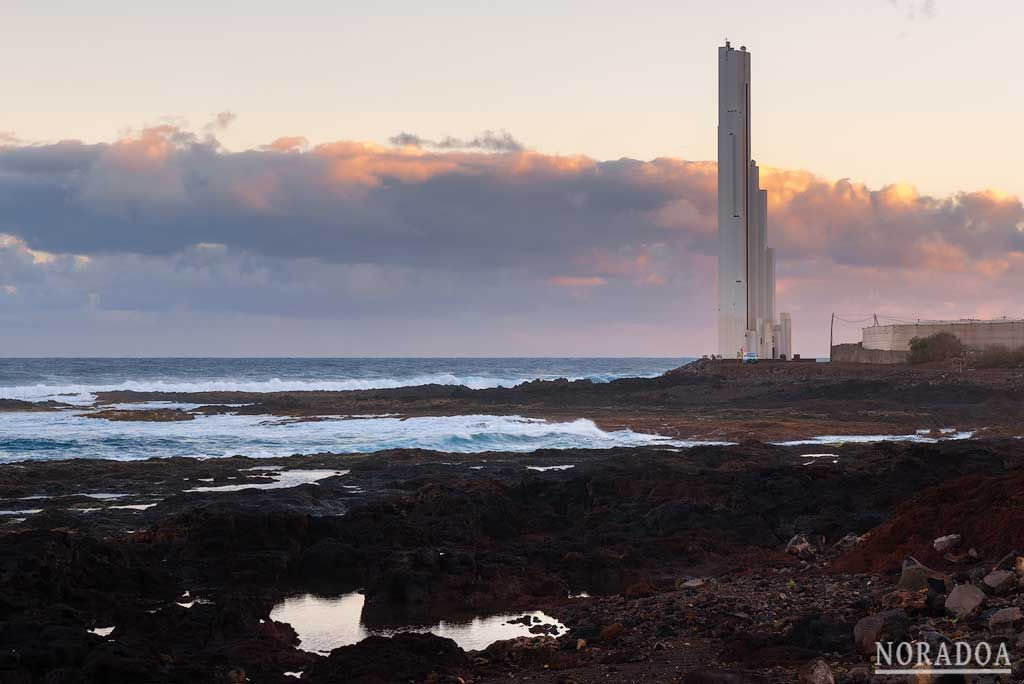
(785, 336)
(755, 250)
(765, 331)
(974, 334)
(767, 274)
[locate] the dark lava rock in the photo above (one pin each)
(915, 576)
(816, 672)
(717, 677)
(964, 600)
(821, 634)
(20, 405)
(1005, 619)
(892, 625)
(382, 660)
(39, 568)
(999, 582)
(142, 415)
(756, 650)
(540, 652)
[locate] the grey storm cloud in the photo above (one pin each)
(349, 202)
(342, 202)
(168, 221)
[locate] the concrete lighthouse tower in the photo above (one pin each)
(746, 265)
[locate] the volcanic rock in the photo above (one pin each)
(859, 675)
(715, 677)
(525, 652)
(999, 582)
(964, 600)
(846, 543)
(639, 590)
(147, 415)
(611, 633)
(816, 672)
(891, 625)
(382, 660)
(917, 576)
(946, 543)
(1007, 562)
(1005, 618)
(820, 634)
(19, 405)
(801, 548)
(910, 601)
(934, 639)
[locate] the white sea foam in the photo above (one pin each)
(919, 437)
(281, 480)
(85, 394)
(59, 435)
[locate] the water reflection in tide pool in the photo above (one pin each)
(324, 624)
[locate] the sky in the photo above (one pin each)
(487, 179)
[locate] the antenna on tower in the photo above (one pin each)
(727, 41)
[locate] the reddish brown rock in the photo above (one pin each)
(611, 633)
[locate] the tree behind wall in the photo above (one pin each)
(938, 347)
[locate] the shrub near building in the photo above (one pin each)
(940, 346)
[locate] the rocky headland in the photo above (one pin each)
(705, 400)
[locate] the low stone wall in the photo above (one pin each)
(974, 334)
(856, 353)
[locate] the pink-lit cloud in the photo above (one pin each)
(348, 229)
(291, 143)
(576, 281)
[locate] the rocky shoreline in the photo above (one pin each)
(704, 400)
(688, 559)
(750, 562)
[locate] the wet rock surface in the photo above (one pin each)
(18, 405)
(683, 555)
(155, 415)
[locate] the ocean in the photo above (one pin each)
(69, 434)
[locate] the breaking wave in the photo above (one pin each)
(22, 436)
(80, 393)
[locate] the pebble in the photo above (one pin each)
(946, 543)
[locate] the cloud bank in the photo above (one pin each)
(473, 246)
